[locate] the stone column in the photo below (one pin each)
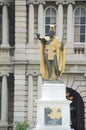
(70, 23)
(4, 100)
(30, 99)
(60, 21)
(31, 23)
(20, 30)
(4, 52)
(39, 89)
(5, 26)
(40, 19)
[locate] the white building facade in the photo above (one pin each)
(20, 77)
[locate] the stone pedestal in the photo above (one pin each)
(53, 109)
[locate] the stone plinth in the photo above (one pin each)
(53, 109)
(53, 90)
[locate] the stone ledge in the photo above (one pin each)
(3, 125)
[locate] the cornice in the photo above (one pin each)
(22, 62)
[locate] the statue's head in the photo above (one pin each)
(52, 31)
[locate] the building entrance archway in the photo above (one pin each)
(76, 109)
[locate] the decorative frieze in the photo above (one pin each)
(33, 69)
(59, 2)
(36, 2)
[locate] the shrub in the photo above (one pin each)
(21, 125)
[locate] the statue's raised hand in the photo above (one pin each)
(38, 36)
(41, 39)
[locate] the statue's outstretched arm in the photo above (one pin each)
(41, 39)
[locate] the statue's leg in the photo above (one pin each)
(55, 64)
(49, 64)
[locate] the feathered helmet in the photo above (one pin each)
(52, 27)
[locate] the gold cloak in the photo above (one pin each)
(60, 58)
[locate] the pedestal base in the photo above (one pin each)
(53, 109)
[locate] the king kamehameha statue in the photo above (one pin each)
(53, 109)
(52, 55)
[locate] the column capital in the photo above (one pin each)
(33, 73)
(28, 74)
(4, 3)
(85, 74)
(41, 2)
(4, 73)
(36, 2)
(59, 2)
(30, 2)
(69, 2)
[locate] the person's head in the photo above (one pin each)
(52, 31)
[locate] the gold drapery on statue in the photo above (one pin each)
(54, 45)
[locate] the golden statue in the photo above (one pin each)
(52, 55)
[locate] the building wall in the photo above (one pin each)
(22, 60)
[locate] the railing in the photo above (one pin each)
(79, 48)
(79, 51)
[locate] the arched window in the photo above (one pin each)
(80, 25)
(50, 18)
